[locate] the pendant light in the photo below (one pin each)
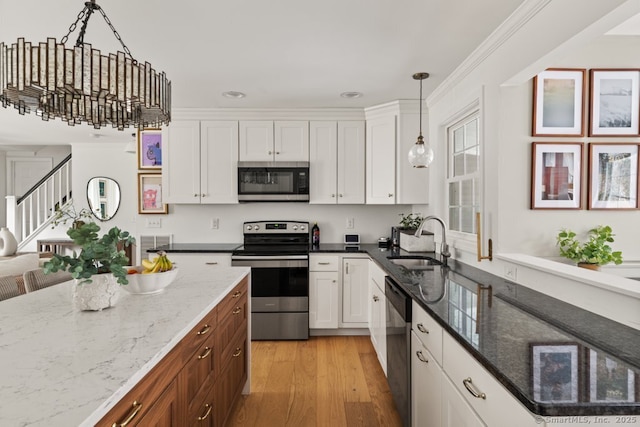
(421, 154)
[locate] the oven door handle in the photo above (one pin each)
(269, 257)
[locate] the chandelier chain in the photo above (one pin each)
(84, 16)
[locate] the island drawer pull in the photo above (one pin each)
(236, 310)
(236, 294)
(421, 356)
(211, 263)
(468, 385)
(205, 354)
(238, 352)
(136, 408)
(206, 414)
(422, 329)
(204, 330)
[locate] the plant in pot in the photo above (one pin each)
(98, 269)
(410, 243)
(70, 213)
(594, 252)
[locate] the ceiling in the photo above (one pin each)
(281, 53)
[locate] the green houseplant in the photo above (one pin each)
(595, 251)
(410, 221)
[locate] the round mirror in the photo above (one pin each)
(103, 195)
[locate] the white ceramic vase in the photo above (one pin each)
(8, 242)
(102, 292)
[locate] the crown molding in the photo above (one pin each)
(267, 114)
(500, 35)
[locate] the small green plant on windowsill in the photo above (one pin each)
(595, 251)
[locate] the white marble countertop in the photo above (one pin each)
(63, 367)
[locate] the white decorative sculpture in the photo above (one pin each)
(8, 242)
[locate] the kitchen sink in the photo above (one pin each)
(415, 263)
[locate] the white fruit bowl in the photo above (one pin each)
(149, 283)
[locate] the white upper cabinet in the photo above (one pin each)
(391, 131)
(265, 140)
(337, 162)
(200, 162)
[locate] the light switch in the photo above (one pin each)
(154, 223)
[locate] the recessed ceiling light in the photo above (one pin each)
(233, 94)
(351, 94)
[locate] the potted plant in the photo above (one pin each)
(408, 241)
(69, 213)
(594, 252)
(98, 268)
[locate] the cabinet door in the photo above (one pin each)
(426, 386)
(323, 152)
(181, 162)
(355, 280)
(218, 162)
(377, 322)
(164, 412)
(323, 300)
(291, 142)
(381, 157)
(351, 161)
(456, 412)
(256, 141)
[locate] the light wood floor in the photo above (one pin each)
(325, 381)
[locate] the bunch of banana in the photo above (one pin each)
(157, 265)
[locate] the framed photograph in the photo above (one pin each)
(150, 149)
(610, 380)
(556, 175)
(150, 194)
(558, 102)
(613, 176)
(555, 372)
(614, 102)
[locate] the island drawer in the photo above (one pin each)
(198, 375)
(234, 299)
(199, 334)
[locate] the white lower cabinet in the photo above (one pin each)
(426, 386)
(378, 313)
(355, 289)
(456, 412)
(323, 300)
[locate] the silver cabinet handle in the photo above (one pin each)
(347, 268)
(333, 195)
(390, 194)
(340, 195)
(421, 356)
(375, 298)
(324, 263)
(270, 152)
(468, 384)
(422, 329)
(211, 263)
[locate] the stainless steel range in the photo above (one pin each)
(278, 254)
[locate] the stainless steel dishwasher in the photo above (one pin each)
(398, 348)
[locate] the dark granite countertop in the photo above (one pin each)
(557, 359)
(197, 248)
(529, 341)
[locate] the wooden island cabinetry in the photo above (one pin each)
(199, 381)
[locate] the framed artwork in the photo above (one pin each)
(613, 176)
(614, 102)
(610, 380)
(150, 194)
(555, 372)
(558, 102)
(556, 175)
(150, 149)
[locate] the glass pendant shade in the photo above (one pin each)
(420, 154)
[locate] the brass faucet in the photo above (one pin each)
(444, 248)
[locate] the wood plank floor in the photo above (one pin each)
(325, 381)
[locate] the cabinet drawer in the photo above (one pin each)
(198, 375)
(232, 301)
(186, 261)
(324, 263)
(202, 413)
(428, 331)
(498, 407)
(198, 335)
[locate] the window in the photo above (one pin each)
(463, 180)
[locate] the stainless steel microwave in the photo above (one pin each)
(273, 181)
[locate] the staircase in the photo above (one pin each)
(29, 214)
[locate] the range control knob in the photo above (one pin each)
(249, 227)
(295, 228)
(256, 227)
(302, 227)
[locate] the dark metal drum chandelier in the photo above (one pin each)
(80, 84)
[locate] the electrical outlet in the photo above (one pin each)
(215, 223)
(511, 272)
(154, 223)
(350, 223)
